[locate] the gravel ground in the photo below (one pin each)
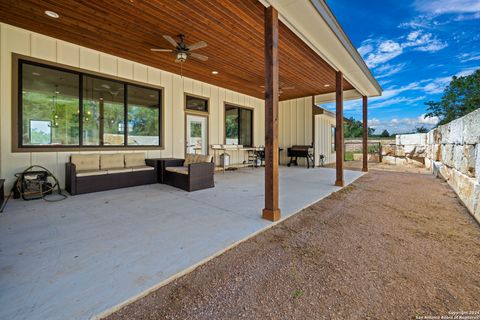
(394, 245)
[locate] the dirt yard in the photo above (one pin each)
(394, 245)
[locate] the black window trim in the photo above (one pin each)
(239, 107)
(17, 103)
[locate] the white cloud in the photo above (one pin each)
(394, 101)
(402, 125)
(384, 51)
(439, 84)
(387, 70)
(426, 42)
(447, 6)
(379, 51)
(467, 57)
(429, 121)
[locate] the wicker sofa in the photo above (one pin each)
(98, 172)
(195, 172)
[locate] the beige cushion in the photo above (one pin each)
(134, 159)
(201, 158)
(189, 158)
(182, 170)
(119, 170)
(142, 168)
(86, 162)
(88, 173)
(112, 161)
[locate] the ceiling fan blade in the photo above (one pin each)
(161, 50)
(199, 56)
(171, 40)
(198, 45)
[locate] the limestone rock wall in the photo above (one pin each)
(451, 151)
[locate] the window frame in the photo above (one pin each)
(333, 137)
(19, 60)
(187, 110)
(228, 104)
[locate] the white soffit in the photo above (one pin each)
(313, 22)
(330, 97)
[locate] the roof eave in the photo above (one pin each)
(315, 24)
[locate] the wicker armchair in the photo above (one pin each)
(195, 172)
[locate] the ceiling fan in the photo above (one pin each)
(281, 87)
(182, 51)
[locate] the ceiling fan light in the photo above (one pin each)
(182, 56)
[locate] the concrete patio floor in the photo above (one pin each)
(77, 258)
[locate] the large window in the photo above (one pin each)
(238, 125)
(65, 108)
(143, 116)
(50, 107)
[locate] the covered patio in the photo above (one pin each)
(78, 258)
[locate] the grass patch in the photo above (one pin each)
(297, 293)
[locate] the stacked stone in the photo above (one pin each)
(453, 152)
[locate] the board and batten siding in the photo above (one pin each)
(28, 43)
(295, 125)
(323, 141)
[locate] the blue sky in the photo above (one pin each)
(413, 48)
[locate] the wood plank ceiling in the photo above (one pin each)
(232, 29)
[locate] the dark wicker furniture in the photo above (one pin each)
(192, 177)
(100, 182)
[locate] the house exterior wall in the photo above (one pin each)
(27, 43)
(323, 138)
(295, 125)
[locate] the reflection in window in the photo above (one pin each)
(49, 106)
(238, 126)
(103, 112)
(143, 116)
(196, 104)
(333, 140)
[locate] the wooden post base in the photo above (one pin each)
(365, 169)
(339, 183)
(271, 215)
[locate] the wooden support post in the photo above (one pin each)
(365, 134)
(271, 211)
(339, 142)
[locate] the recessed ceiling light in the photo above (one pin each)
(214, 72)
(326, 85)
(52, 14)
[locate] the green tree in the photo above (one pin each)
(354, 128)
(385, 134)
(460, 97)
(421, 129)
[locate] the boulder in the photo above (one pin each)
(388, 150)
(471, 127)
(399, 151)
(393, 160)
(412, 139)
(477, 161)
(447, 155)
(452, 132)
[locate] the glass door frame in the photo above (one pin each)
(202, 115)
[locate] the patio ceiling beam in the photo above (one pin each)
(271, 211)
(339, 143)
(365, 134)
